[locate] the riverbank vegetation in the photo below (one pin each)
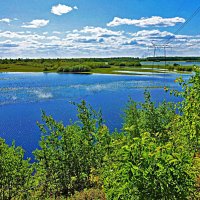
(175, 58)
(87, 65)
(156, 155)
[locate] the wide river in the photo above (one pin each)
(24, 95)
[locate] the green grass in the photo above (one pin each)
(48, 65)
(114, 69)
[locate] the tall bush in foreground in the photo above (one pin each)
(143, 168)
(189, 124)
(157, 155)
(146, 117)
(70, 154)
(15, 173)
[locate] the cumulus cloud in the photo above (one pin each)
(147, 37)
(95, 35)
(36, 23)
(152, 33)
(52, 38)
(99, 31)
(145, 22)
(56, 32)
(7, 20)
(62, 9)
(90, 41)
(130, 42)
(26, 36)
(8, 44)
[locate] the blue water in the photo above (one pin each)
(24, 95)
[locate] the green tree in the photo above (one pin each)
(69, 154)
(15, 172)
(157, 154)
(146, 117)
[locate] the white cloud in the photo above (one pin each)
(8, 44)
(91, 42)
(21, 35)
(7, 20)
(152, 33)
(52, 38)
(145, 22)
(93, 36)
(37, 23)
(75, 8)
(99, 31)
(61, 9)
(56, 32)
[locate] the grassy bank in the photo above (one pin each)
(101, 65)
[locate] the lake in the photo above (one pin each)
(24, 95)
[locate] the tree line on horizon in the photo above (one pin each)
(81, 65)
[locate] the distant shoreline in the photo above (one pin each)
(92, 66)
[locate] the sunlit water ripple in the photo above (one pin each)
(24, 95)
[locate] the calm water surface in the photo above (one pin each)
(24, 95)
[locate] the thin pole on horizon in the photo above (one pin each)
(165, 55)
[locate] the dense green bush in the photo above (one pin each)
(95, 65)
(15, 172)
(157, 154)
(45, 69)
(77, 68)
(60, 69)
(137, 64)
(122, 64)
(130, 64)
(170, 68)
(144, 168)
(146, 117)
(181, 68)
(111, 63)
(91, 194)
(68, 154)
(80, 68)
(176, 64)
(104, 66)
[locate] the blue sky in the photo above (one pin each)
(97, 28)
